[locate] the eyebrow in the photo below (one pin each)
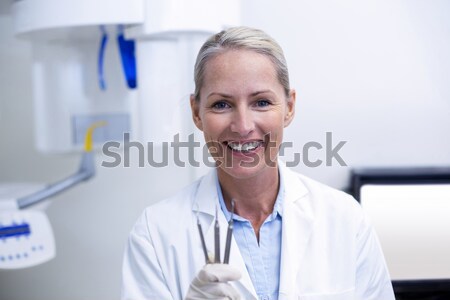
(260, 92)
(229, 96)
(219, 94)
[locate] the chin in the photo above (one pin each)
(244, 171)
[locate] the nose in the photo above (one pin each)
(242, 121)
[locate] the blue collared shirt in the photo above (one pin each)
(262, 260)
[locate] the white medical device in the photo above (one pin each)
(26, 236)
(26, 239)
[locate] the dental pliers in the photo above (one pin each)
(216, 259)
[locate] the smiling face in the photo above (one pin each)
(242, 112)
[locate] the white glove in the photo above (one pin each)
(211, 283)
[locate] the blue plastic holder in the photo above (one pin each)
(127, 55)
(14, 230)
(101, 57)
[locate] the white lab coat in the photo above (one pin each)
(329, 250)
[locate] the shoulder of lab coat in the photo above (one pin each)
(343, 257)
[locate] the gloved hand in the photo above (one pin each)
(211, 283)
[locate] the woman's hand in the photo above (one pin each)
(212, 283)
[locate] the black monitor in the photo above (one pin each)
(410, 211)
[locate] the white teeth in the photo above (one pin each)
(244, 147)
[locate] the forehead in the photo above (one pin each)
(239, 71)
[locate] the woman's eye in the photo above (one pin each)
(262, 103)
(220, 105)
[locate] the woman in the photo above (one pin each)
(294, 238)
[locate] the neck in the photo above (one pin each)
(254, 197)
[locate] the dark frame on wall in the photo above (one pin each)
(426, 289)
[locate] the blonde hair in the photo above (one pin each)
(241, 38)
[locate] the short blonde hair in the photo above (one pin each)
(244, 38)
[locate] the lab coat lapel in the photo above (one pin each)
(206, 201)
(297, 227)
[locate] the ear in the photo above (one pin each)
(290, 109)
(195, 108)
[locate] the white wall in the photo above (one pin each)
(375, 73)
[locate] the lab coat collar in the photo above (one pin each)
(294, 188)
(207, 198)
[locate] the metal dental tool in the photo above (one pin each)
(202, 238)
(217, 238)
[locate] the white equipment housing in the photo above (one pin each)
(65, 38)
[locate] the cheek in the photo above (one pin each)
(214, 126)
(272, 123)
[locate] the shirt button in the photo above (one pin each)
(265, 297)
